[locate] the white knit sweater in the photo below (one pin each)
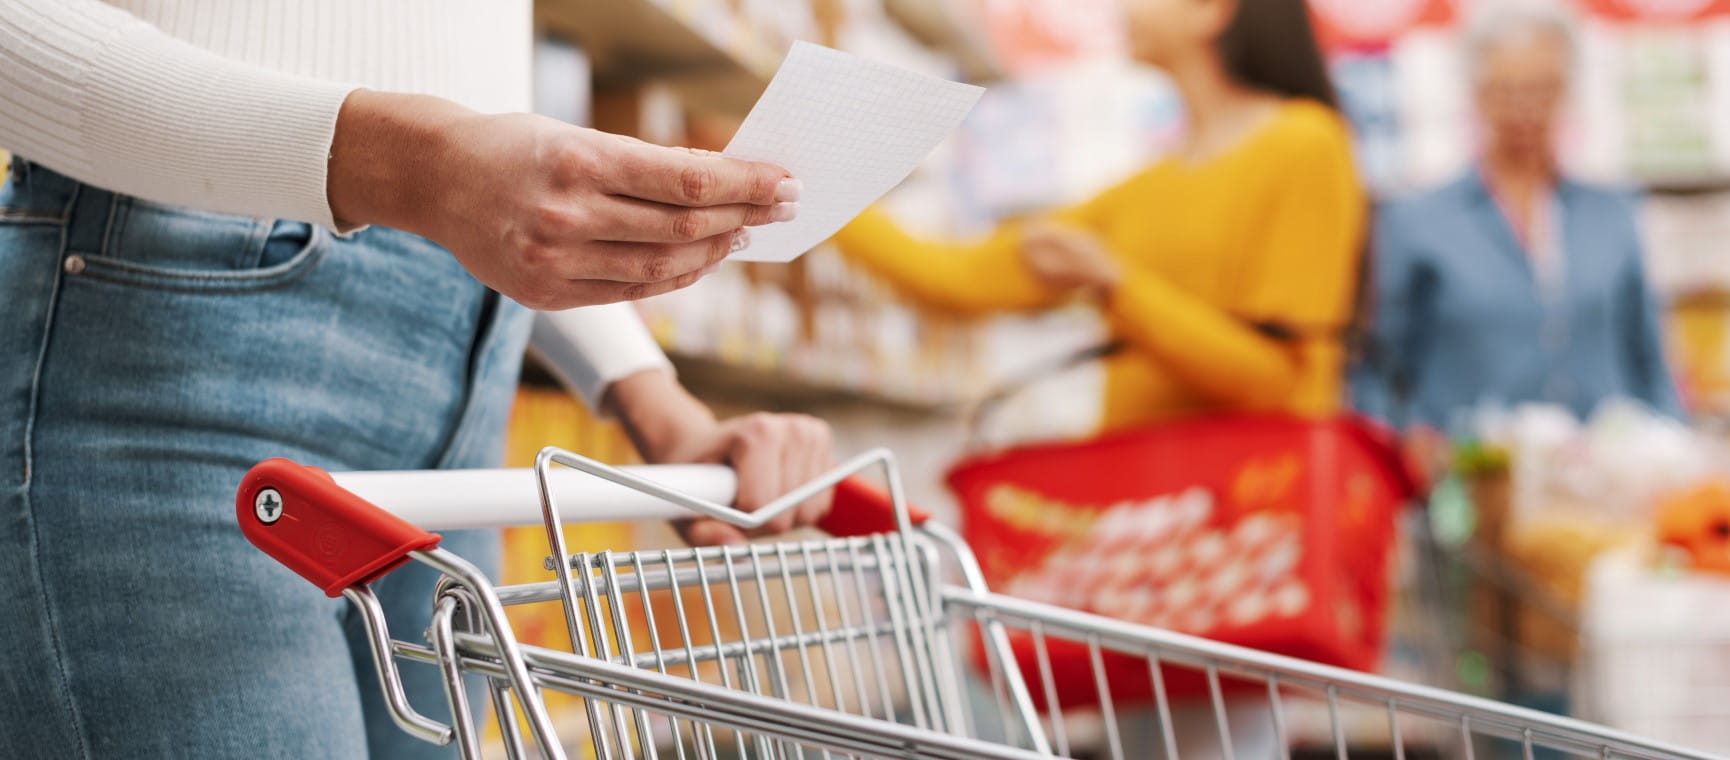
(230, 105)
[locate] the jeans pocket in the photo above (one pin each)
(25, 200)
(150, 245)
(25, 215)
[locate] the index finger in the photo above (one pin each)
(683, 178)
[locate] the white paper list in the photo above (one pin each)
(850, 129)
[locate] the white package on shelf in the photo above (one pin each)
(1655, 652)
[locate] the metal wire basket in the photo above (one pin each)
(852, 646)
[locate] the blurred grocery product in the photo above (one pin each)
(1554, 498)
(1656, 650)
(1697, 521)
(1552, 553)
(1616, 464)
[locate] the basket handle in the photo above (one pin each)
(349, 529)
(987, 407)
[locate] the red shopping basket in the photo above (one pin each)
(1270, 533)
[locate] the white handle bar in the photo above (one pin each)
(467, 499)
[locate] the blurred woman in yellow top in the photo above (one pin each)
(1227, 270)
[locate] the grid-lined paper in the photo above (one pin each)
(850, 129)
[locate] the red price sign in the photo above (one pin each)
(1028, 35)
(1374, 24)
(1658, 10)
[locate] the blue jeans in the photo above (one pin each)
(148, 356)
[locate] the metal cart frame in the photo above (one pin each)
(852, 646)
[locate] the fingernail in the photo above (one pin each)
(784, 212)
(710, 269)
(741, 241)
(788, 190)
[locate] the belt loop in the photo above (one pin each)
(93, 210)
(108, 222)
(262, 227)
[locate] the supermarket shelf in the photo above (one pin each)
(947, 27)
(718, 62)
(773, 389)
(760, 388)
(1701, 184)
(718, 65)
(1714, 298)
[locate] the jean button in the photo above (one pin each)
(74, 264)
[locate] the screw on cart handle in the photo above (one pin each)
(324, 533)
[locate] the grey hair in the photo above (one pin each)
(1495, 22)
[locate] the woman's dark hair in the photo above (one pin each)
(1271, 46)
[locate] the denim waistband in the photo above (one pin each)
(89, 212)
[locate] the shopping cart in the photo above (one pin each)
(851, 646)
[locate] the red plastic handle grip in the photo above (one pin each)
(862, 509)
(302, 518)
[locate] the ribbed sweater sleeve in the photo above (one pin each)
(591, 348)
(99, 95)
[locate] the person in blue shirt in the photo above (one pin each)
(1514, 283)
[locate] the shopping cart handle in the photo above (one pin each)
(470, 499)
(862, 509)
(352, 528)
(300, 517)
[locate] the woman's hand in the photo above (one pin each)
(552, 215)
(771, 453)
(1067, 259)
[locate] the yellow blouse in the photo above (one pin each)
(1267, 233)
